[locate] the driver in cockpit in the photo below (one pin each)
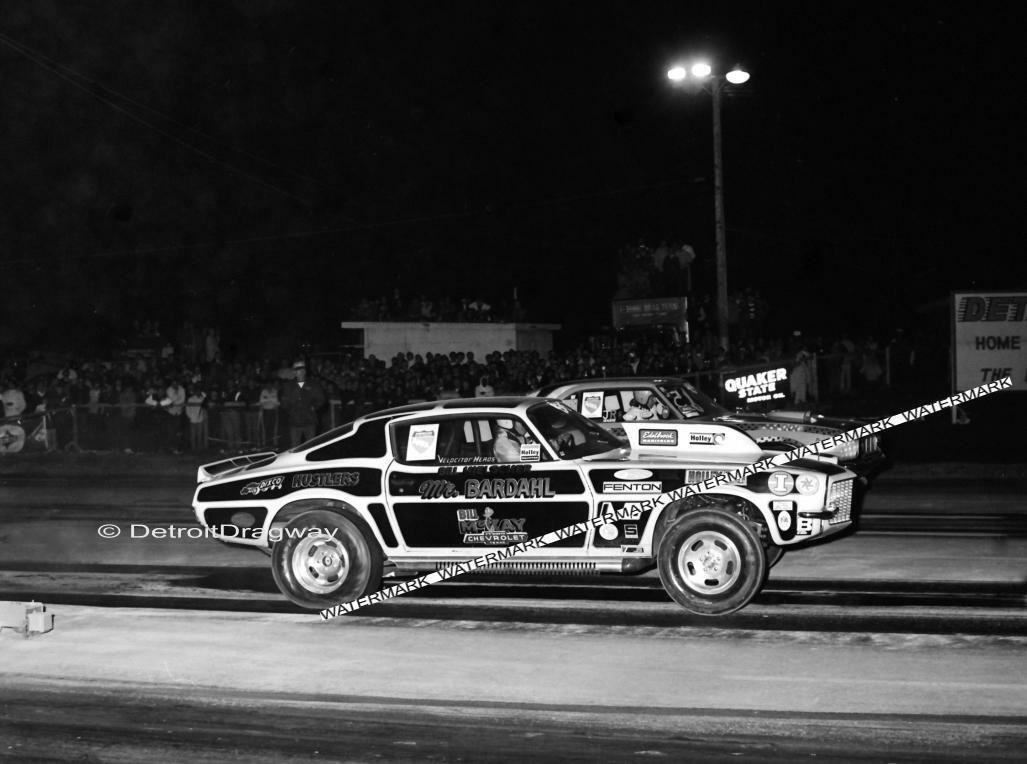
(645, 406)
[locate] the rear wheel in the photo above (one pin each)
(711, 562)
(326, 558)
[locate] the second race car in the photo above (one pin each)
(612, 401)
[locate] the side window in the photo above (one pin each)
(416, 442)
(684, 403)
(513, 443)
(614, 406)
(441, 441)
(466, 440)
(456, 440)
(615, 403)
(368, 441)
(600, 405)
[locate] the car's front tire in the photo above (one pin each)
(711, 562)
(326, 558)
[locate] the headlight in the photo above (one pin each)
(780, 483)
(807, 484)
(846, 451)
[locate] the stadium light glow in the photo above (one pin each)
(737, 76)
(701, 73)
(701, 69)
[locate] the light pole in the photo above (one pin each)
(702, 72)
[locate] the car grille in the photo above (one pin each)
(539, 568)
(869, 445)
(839, 501)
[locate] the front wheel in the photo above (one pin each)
(711, 562)
(326, 558)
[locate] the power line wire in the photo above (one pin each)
(153, 110)
(28, 54)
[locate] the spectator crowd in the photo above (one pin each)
(184, 395)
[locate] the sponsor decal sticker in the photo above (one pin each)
(592, 405)
(657, 437)
(489, 488)
(325, 479)
(807, 485)
(437, 489)
(490, 530)
(531, 452)
(780, 483)
(698, 476)
(508, 488)
(609, 531)
(258, 487)
(467, 460)
(804, 527)
(633, 473)
(651, 486)
(705, 438)
(421, 442)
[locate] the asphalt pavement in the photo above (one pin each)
(877, 646)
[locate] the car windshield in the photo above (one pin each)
(571, 435)
(690, 400)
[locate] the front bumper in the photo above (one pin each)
(869, 466)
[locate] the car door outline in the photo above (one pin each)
(469, 507)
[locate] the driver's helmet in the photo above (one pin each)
(644, 397)
(506, 428)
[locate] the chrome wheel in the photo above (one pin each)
(326, 557)
(320, 563)
(709, 562)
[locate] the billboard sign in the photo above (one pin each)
(650, 312)
(989, 338)
(755, 384)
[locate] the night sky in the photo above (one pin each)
(260, 165)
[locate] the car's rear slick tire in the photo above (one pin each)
(711, 562)
(326, 558)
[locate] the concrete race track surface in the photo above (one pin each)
(351, 656)
(917, 691)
